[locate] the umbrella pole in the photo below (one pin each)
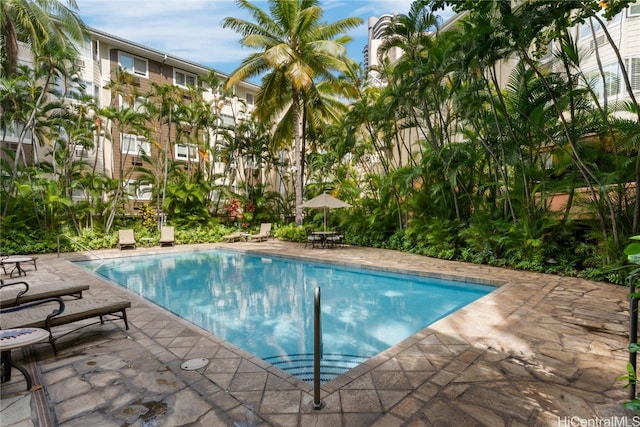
(325, 219)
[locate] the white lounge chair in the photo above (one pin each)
(263, 234)
(126, 239)
(235, 236)
(167, 236)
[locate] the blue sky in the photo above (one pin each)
(192, 29)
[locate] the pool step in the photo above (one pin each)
(301, 365)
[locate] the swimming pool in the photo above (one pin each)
(264, 305)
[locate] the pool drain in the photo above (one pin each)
(194, 364)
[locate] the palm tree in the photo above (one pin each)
(26, 100)
(37, 22)
(296, 49)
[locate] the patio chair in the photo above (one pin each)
(126, 239)
(16, 293)
(167, 236)
(49, 313)
(337, 238)
(312, 238)
(263, 234)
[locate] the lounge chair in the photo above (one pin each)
(167, 236)
(16, 293)
(235, 236)
(48, 313)
(263, 234)
(126, 239)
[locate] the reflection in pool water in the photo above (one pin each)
(264, 305)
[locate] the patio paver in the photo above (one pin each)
(540, 350)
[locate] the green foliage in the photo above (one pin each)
(148, 217)
(370, 223)
(436, 238)
(480, 199)
(95, 240)
(15, 242)
(186, 200)
(397, 241)
(261, 206)
(290, 233)
(631, 378)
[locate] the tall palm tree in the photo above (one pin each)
(296, 49)
(37, 22)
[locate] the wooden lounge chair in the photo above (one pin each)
(235, 236)
(16, 293)
(167, 236)
(49, 313)
(263, 234)
(126, 239)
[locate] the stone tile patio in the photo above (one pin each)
(541, 350)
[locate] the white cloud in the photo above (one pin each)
(192, 29)
(189, 29)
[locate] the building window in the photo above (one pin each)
(138, 104)
(138, 191)
(134, 144)
(12, 132)
(226, 121)
(95, 50)
(133, 64)
(611, 81)
(633, 68)
(84, 48)
(71, 91)
(634, 9)
(249, 98)
(81, 152)
(184, 79)
(79, 194)
(186, 152)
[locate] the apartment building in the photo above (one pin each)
(376, 35)
(592, 41)
(595, 48)
(598, 61)
(148, 66)
(118, 151)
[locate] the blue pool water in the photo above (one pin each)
(264, 305)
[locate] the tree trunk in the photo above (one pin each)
(297, 152)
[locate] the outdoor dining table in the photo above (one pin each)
(323, 236)
(17, 338)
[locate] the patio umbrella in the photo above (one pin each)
(325, 201)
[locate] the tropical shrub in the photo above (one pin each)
(290, 233)
(148, 217)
